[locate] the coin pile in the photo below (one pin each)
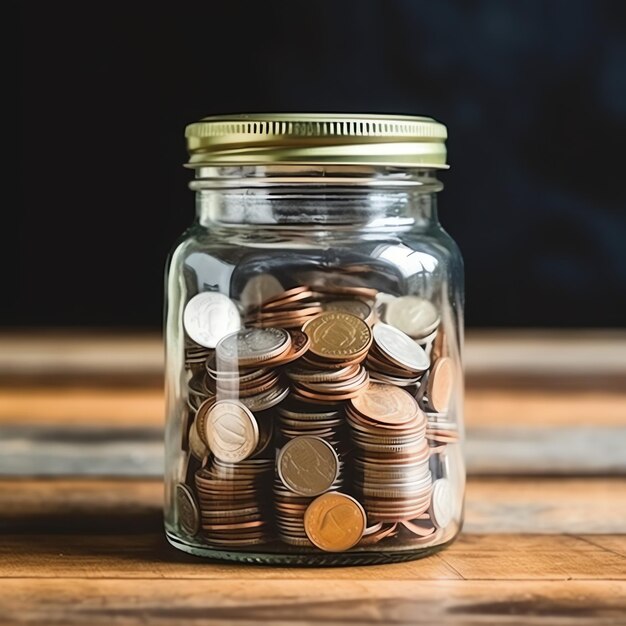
(234, 501)
(245, 365)
(392, 472)
(289, 309)
(297, 420)
(195, 355)
(198, 390)
(322, 379)
(395, 358)
(331, 371)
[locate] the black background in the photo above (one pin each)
(533, 94)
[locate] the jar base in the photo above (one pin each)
(307, 558)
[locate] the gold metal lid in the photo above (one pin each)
(317, 139)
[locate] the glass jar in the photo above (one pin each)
(313, 328)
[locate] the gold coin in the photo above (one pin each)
(308, 465)
(334, 522)
(386, 404)
(232, 431)
(338, 336)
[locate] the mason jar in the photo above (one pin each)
(313, 330)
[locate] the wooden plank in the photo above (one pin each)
(595, 356)
(532, 557)
(553, 450)
(82, 406)
(546, 505)
(540, 408)
(493, 505)
(115, 451)
(297, 602)
(144, 406)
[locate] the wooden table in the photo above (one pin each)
(544, 539)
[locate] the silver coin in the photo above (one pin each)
(415, 316)
(400, 348)
(187, 510)
(231, 431)
(257, 344)
(266, 400)
(442, 504)
(260, 288)
(308, 465)
(209, 316)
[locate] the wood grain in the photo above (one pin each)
(298, 602)
(228, 602)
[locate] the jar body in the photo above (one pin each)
(254, 439)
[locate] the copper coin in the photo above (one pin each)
(338, 336)
(440, 384)
(416, 529)
(231, 431)
(308, 465)
(335, 522)
(386, 404)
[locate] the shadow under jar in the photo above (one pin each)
(314, 321)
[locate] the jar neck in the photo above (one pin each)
(327, 196)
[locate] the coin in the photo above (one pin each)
(442, 503)
(386, 404)
(197, 447)
(400, 348)
(338, 336)
(187, 510)
(259, 288)
(415, 316)
(417, 529)
(201, 416)
(335, 522)
(308, 465)
(266, 400)
(252, 345)
(354, 307)
(231, 431)
(209, 316)
(440, 384)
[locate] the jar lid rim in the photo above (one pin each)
(317, 139)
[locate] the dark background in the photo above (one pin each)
(533, 94)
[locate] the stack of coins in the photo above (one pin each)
(392, 473)
(306, 419)
(195, 355)
(330, 372)
(289, 309)
(395, 358)
(234, 501)
(198, 390)
(245, 366)
(307, 466)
